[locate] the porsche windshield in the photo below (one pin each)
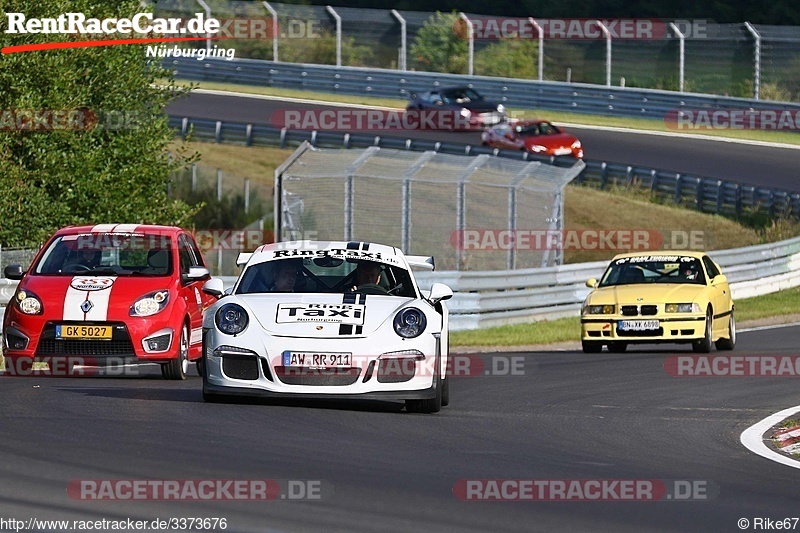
(326, 275)
(119, 254)
(653, 269)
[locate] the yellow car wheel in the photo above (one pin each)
(704, 344)
(592, 346)
(730, 342)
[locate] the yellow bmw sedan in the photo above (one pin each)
(658, 297)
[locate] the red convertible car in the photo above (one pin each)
(112, 292)
(535, 136)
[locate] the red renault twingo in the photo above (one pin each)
(111, 292)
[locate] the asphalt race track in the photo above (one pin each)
(568, 416)
(746, 163)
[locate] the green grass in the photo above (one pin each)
(555, 116)
(545, 332)
(785, 302)
(778, 304)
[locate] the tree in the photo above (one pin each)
(83, 135)
(441, 45)
(510, 58)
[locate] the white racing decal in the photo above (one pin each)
(125, 228)
(335, 313)
(102, 228)
(196, 336)
(87, 289)
(91, 284)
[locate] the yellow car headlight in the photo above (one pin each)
(599, 309)
(682, 308)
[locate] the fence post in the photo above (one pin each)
(405, 225)
(219, 185)
(757, 60)
(349, 192)
(461, 201)
(208, 15)
(401, 60)
(699, 194)
(471, 30)
(541, 46)
(247, 195)
(681, 54)
(274, 15)
(608, 51)
(338, 20)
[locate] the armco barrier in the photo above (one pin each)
(523, 94)
(485, 299)
(709, 195)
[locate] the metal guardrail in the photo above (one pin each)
(485, 299)
(709, 195)
(525, 94)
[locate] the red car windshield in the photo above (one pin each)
(537, 129)
(119, 254)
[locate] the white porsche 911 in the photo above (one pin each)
(335, 320)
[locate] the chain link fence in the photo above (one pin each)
(465, 211)
(236, 215)
(697, 56)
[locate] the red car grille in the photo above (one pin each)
(120, 343)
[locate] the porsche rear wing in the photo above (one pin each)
(243, 258)
(421, 261)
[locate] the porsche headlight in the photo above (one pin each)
(599, 309)
(29, 303)
(231, 319)
(410, 322)
(538, 148)
(683, 308)
(465, 112)
(150, 304)
(576, 144)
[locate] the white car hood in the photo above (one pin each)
(321, 315)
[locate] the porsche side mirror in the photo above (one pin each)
(591, 283)
(439, 292)
(214, 287)
(719, 279)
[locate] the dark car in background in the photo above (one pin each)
(470, 109)
(534, 136)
